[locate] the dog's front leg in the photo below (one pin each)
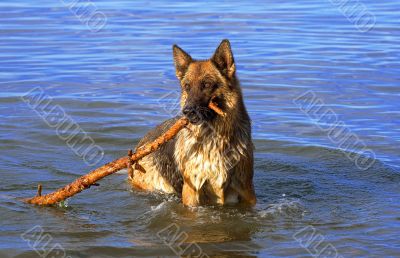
(190, 196)
(242, 180)
(246, 193)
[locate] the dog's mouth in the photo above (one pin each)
(195, 121)
(199, 115)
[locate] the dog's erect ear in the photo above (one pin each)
(223, 58)
(182, 61)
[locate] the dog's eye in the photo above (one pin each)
(207, 85)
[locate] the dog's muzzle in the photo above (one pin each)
(197, 114)
(192, 114)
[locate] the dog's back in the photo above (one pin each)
(158, 171)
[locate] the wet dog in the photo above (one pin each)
(211, 161)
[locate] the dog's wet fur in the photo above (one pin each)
(210, 161)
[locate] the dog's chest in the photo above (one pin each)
(203, 159)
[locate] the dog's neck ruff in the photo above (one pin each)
(210, 151)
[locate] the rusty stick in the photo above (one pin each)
(214, 106)
(93, 176)
(39, 190)
(129, 164)
(87, 180)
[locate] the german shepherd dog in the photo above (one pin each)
(211, 160)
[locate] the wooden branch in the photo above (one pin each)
(129, 164)
(93, 176)
(39, 190)
(212, 105)
(87, 180)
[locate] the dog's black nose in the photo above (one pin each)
(191, 114)
(188, 111)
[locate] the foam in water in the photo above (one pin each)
(284, 208)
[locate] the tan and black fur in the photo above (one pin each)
(210, 162)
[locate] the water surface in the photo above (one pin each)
(118, 82)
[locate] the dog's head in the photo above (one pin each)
(202, 80)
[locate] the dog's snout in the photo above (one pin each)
(189, 112)
(192, 114)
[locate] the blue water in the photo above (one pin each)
(118, 81)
